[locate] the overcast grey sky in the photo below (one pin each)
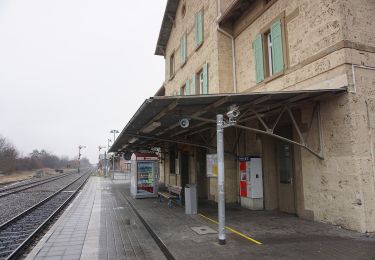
(71, 70)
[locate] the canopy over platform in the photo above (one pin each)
(157, 121)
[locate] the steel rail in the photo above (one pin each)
(28, 240)
(27, 182)
(31, 185)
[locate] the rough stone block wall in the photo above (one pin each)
(341, 189)
(231, 185)
(225, 61)
(358, 21)
(224, 4)
(316, 27)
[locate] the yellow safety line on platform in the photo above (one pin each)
(233, 230)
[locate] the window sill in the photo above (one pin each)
(171, 77)
(274, 76)
(198, 46)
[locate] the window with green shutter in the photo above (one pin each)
(199, 28)
(277, 48)
(192, 85)
(204, 79)
(171, 66)
(187, 88)
(258, 58)
(268, 52)
(183, 49)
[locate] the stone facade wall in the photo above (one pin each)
(322, 39)
(358, 21)
(339, 189)
(311, 27)
(196, 58)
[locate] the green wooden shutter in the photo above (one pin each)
(187, 88)
(205, 79)
(277, 48)
(183, 49)
(258, 56)
(192, 85)
(199, 28)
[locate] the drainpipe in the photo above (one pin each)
(233, 57)
(233, 47)
(353, 73)
(218, 2)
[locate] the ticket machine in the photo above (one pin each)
(251, 182)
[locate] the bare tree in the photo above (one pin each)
(10, 161)
(8, 156)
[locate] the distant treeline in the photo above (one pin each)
(11, 161)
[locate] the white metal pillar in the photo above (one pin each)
(220, 181)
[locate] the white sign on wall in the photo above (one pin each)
(212, 169)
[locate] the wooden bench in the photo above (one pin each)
(173, 193)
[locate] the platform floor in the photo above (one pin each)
(100, 224)
(97, 225)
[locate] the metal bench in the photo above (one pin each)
(174, 193)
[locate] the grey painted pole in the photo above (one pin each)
(220, 180)
(79, 158)
(105, 163)
(113, 166)
(113, 155)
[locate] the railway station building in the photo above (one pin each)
(300, 74)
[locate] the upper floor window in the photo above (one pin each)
(183, 10)
(171, 66)
(203, 80)
(268, 52)
(188, 88)
(183, 49)
(183, 90)
(198, 28)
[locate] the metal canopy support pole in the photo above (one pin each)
(220, 184)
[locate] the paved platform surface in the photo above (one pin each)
(97, 225)
(100, 224)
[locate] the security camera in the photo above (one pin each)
(184, 123)
(233, 111)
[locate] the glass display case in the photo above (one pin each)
(144, 175)
(145, 178)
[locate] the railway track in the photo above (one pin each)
(17, 233)
(14, 189)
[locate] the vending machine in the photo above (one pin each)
(144, 175)
(251, 182)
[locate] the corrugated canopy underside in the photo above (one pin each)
(157, 120)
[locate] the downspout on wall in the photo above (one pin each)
(233, 47)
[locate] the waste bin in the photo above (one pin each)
(190, 199)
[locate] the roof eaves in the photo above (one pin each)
(166, 26)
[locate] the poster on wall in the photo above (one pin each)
(212, 169)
